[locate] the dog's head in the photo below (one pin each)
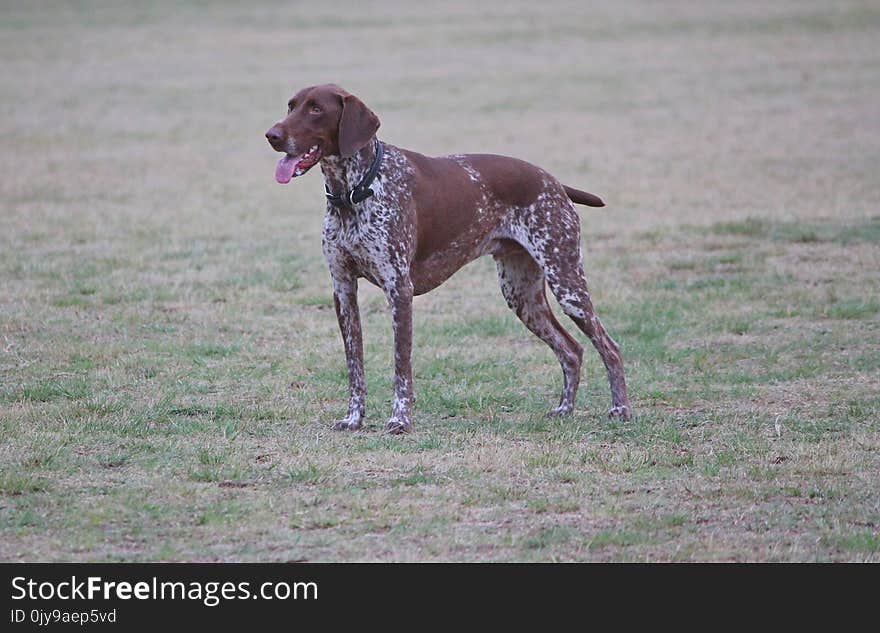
(321, 121)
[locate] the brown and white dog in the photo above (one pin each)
(406, 222)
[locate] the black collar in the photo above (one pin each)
(362, 190)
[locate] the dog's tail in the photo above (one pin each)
(582, 197)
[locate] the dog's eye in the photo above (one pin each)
(315, 110)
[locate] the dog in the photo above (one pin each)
(407, 222)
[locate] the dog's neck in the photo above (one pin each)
(343, 174)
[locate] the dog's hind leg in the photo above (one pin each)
(568, 284)
(522, 284)
(556, 247)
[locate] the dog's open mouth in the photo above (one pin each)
(291, 166)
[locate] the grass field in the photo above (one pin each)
(170, 362)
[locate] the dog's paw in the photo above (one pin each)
(351, 423)
(398, 426)
(561, 410)
(623, 412)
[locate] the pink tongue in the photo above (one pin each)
(284, 169)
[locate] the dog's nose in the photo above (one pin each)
(273, 136)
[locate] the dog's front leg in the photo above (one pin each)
(348, 315)
(400, 297)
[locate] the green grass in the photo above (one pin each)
(17, 484)
(854, 308)
(863, 542)
(49, 390)
(170, 363)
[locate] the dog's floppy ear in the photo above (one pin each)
(356, 125)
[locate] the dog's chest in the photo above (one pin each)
(376, 236)
(364, 237)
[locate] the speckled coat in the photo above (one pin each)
(426, 219)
